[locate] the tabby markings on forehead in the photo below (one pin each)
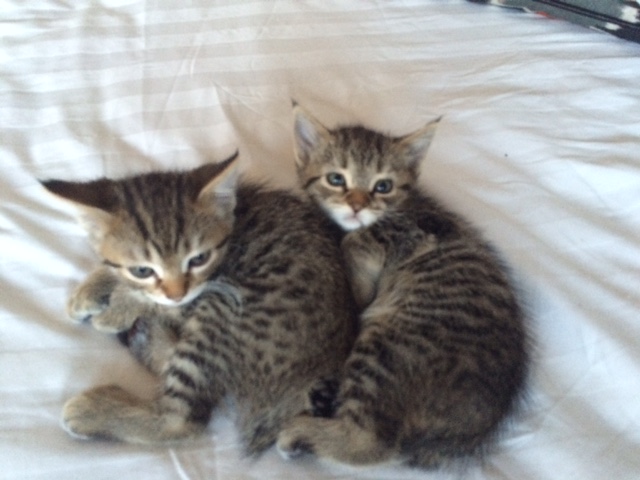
(131, 207)
(179, 230)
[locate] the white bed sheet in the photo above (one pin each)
(538, 146)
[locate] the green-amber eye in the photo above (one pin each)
(336, 179)
(200, 259)
(141, 271)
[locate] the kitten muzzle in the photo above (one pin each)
(174, 289)
(358, 200)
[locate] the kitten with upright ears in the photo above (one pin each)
(222, 290)
(160, 236)
(441, 356)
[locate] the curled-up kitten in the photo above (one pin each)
(220, 290)
(441, 357)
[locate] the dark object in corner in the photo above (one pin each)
(617, 17)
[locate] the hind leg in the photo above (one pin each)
(341, 427)
(182, 410)
(109, 412)
(338, 439)
(261, 420)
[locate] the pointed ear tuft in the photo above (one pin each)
(415, 145)
(309, 134)
(96, 194)
(96, 202)
(216, 182)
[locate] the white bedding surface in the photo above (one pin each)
(538, 147)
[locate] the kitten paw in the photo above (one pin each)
(323, 398)
(292, 440)
(125, 307)
(292, 448)
(92, 296)
(81, 307)
(115, 319)
(89, 414)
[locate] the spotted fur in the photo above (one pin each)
(270, 313)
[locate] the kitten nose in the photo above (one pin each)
(174, 289)
(357, 200)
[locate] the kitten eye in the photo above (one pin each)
(200, 259)
(141, 271)
(383, 186)
(336, 179)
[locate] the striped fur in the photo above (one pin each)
(440, 360)
(272, 318)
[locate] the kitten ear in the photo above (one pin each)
(98, 194)
(415, 145)
(96, 202)
(309, 134)
(216, 182)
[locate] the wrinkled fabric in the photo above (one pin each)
(538, 146)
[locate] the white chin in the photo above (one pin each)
(349, 224)
(167, 302)
(349, 221)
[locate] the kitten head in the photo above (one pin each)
(164, 232)
(357, 175)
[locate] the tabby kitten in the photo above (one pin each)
(440, 360)
(222, 291)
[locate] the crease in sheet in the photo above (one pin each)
(177, 465)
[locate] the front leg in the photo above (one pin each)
(152, 341)
(126, 305)
(365, 258)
